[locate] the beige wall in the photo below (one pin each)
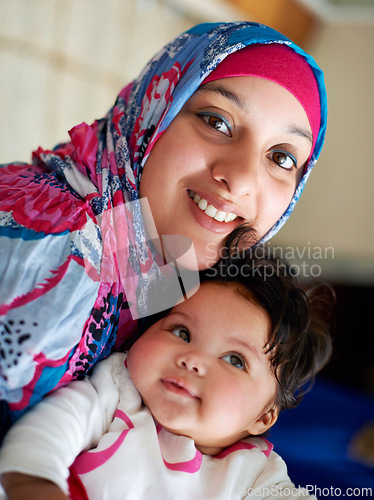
(64, 61)
(337, 208)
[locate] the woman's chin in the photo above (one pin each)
(188, 255)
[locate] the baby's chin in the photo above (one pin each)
(206, 448)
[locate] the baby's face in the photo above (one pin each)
(203, 372)
(234, 153)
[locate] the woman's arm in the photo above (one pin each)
(21, 486)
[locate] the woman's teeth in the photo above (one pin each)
(210, 210)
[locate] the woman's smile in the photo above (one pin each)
(204, 213)
(210, 210)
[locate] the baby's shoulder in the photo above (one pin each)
(110, 371)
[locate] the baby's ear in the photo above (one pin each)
(264, 422)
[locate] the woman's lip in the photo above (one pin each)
(178, 386)
(219, 203)
(211, 224)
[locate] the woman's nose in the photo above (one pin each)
(238, 172)
(192, 361)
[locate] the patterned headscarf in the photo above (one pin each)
(75, 219)
(104, 161)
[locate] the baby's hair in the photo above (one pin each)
(300, 343)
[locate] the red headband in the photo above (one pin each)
(282, 65)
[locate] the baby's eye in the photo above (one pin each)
(235, 360)
(182, 333)
(217, 122)
(283, 159)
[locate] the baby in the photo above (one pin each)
(183, 412)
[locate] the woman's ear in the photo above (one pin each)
(264, 422)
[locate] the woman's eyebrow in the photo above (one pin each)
(302, 132)
(222, 91)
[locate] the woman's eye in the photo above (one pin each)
(216, 122)
(182, 333)
(235, 360)
(283, 159)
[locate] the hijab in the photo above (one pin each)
(104, 161)
(75, 217)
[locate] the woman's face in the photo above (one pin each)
(233, 154)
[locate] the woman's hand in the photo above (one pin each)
(20, 486)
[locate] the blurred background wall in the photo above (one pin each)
(64, 61)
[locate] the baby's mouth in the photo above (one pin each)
(210, 210)
(178, 386)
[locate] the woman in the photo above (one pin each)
(206, 120)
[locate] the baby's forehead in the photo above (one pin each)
(237, 289)
(226, 308)
(209, 288)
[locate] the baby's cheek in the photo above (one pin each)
(135, 359)
(143, 353)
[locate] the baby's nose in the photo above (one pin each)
(193, 361)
